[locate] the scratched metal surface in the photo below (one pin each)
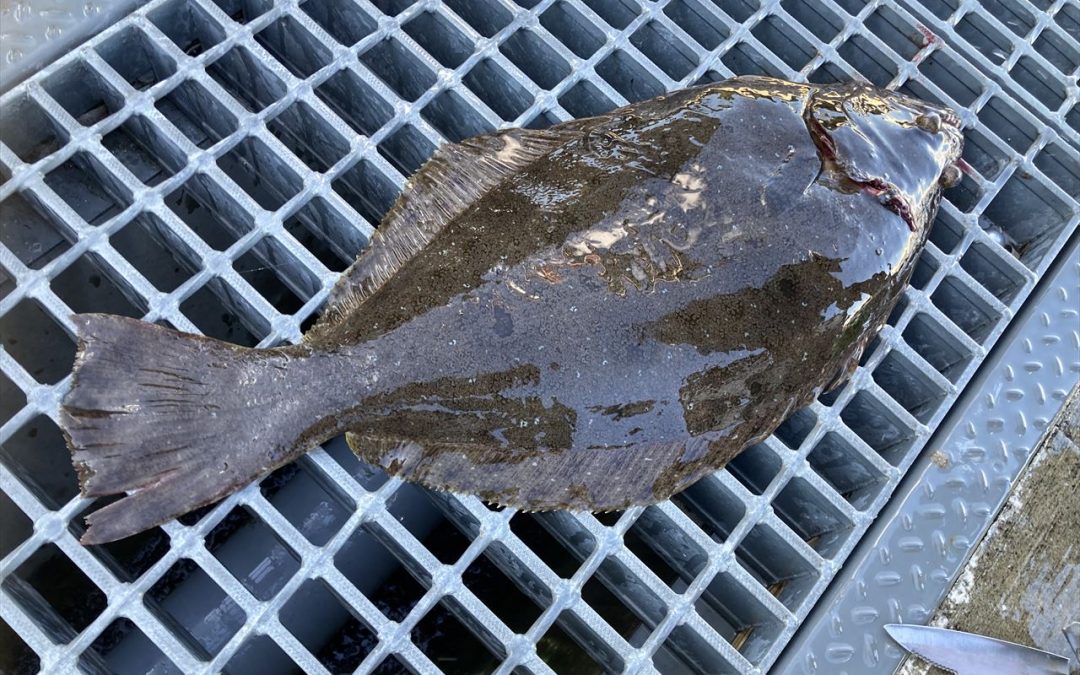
(215, 164)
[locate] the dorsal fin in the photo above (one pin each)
(447, 184)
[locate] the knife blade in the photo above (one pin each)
(970, 654)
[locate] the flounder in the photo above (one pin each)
(589, 316)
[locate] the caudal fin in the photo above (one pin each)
(178, 420)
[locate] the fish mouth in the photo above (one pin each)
(890, 197)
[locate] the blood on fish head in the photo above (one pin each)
(902, 150)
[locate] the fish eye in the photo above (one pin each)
(950, 176)
(928, 122)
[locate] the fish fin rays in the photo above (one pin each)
(444, 187)
(592, 479)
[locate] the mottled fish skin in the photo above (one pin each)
(599, 314)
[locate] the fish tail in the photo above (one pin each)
(177, 420)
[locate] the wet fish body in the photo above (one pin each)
(589, 316)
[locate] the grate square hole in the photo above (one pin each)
(531, 532)
(993, 273)
(367, 190)
(213, 215)
(740, 10)
(197, 114)
(243, 11)
(937, 346)
(39, 344)
(37, 455)
(664, 548)
(686, 651)
(1042, 83)
(407, 149)
(188, 601)
(698, 23)
(965, 195)
(868, 60)
(1057, 51)
(240, 73)
(849, 473)
(16, 657)
(260, 654)
(392, 7)
(12, 400)
(664, 49)
(440, 39)
(449, 638)
(1055, 161)
(965, 309)
(395, 65)
(541, 63)
(123, 648)
(277, 276)
(1030, 214)
(127, 558)
(1068, 17)
(343, 20)
(412, 507)
(308, 136)
(585, 100)
(618, 13)
(712, 507)
(624, 601)
(454, 118)
(812, 517)
(87, 285)
(15, 528)
(155, 250)
(188, 25)
(497, 89)
(253, 553)
(984, 37)
(29, 131)
(623, 73)
(744, 59)
(261, 173)
(951, 77)
(755, 467)
(878, 427)
(304, 497)
(542, 120)
(133, 55)
(794, 430)
(784, 42)
(355, 102)
(144, 151)
(571, 28)
(570, 646)
(296, 48)
(984, 155)
(492, 585)
(1012, 15)
(83, 93)
(904, 381)
(55, 593)
(776, 566)
(330, 238)
(733, 612)
(88, 188)
(321, 622)
(815, 17)
(488, 17)
(895, 32)
(378, 574)
(220, 312)
(1002, 119)
(31, 231)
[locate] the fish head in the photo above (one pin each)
(902, 150)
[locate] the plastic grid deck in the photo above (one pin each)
(213, 165)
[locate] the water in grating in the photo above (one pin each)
(213, 165)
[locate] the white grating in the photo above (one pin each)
(213, 165)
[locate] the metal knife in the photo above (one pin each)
(970, 654)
